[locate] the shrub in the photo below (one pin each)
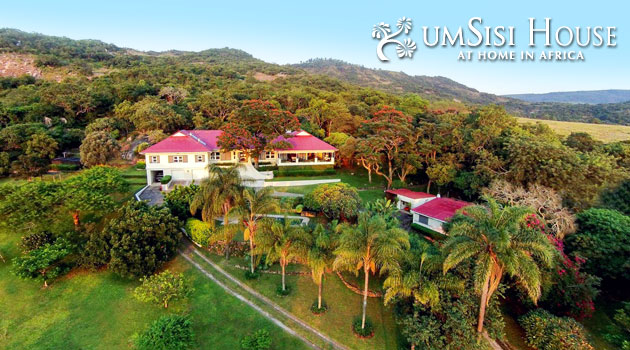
(162, 288)
(336, 200)
(35, 241)
(259, 340)
(141, 147)
(304, 172)
(545, 331)
(171, 332)
(619, 333)
(141, 165)
(166, 179)
(317, 310)
(178, 201)
(199, 231)
(281, 292)
(365, 332)
(252, 275)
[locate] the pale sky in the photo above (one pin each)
(289, 32)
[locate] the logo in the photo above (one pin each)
(383, 32)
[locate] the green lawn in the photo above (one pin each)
(96, 310)
(343, 304)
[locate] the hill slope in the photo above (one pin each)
(588, 97)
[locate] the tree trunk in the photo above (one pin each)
(165, 303)
(429, 187)
(319, 293)
(45, 284)
(226, 222)
(370, 176)
(482, 306)
(365, 294)
(251, 252)
(284, 286)
(75, 218)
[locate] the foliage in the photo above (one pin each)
(363, 329)
(98, 148)
(31, 204)
(199, 231)
(45, 262)
(65, 167)
(494, 238)
(259, 340)
(255, 204)
(603, 239)
(141, 147)
(165, 179)
(619, 334)
(170, 332)
(178, 200)
(162, 288)
(142, 238)
(35, 241)
(141, 165)
(545, 331)
(336, 200)
(617, 198)
(320, 259)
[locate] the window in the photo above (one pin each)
(200, 158)
(270, 155)
(178, 159)
(423, 219)
(215, 156)
(154, 159)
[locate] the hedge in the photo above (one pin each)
(199, 231)
(544, 331)
(428, 232)
(305, 171)
(166, 179)
(65, 167)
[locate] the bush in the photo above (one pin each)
(141, 165)
(252, 275)
(259, 340)
(318, 311)
(65, 167)
(545, 331)
(166, 179)
(141, 147)
(178, 201)
(162, 288)
(199, 231)
(171, 332)
(306, 171)
(336, 200)
(367, 331)
(281, 292)
(35, 241)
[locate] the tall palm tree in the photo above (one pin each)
(218, 196)
(254, 205)
(320, 258)
(494, 238)
(283, 243)
(370, 245)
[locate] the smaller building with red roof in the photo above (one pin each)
(407, 199)
(435, 212)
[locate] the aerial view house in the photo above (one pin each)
(186, 154)
(428, 211)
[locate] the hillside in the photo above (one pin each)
(587, 97)
(602, 132)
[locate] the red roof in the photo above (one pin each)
(206, 141)
(440, 208)
(410, 194)
(303, 141)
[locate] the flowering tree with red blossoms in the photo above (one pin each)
(572, 291)
(256, 127)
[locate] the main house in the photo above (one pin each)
(428, 211)
(186, 154)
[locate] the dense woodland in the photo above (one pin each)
(552, 230)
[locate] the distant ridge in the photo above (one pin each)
(589, 97)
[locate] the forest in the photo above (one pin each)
(549, 239)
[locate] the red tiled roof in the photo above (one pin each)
(303, 141)
(410, 194)
(440, 208)
(206, 141)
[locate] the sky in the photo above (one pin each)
(294, 31)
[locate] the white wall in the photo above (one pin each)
(433, 224)
(185, 171)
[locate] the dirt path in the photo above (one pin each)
(251, 293)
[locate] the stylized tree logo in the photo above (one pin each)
(382, 32)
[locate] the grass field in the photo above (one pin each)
(603, 132)
(96, 310)
(343, 304)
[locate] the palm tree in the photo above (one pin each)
(283, 243)
(371, 246)
(419, 276)
(218, 196)
(320, 258)
(494, 238)
(254, 204)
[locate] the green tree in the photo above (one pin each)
(259, 340)
(44, 263)
(254, 205)
(320, 258)
(178, 200)
(337, 200)
(218, 196)
(169, 332)
(284, 243)
(617, 198)
(98, 148)
(162, 288)
(493, 237)
(369, 246)
(141, 239)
